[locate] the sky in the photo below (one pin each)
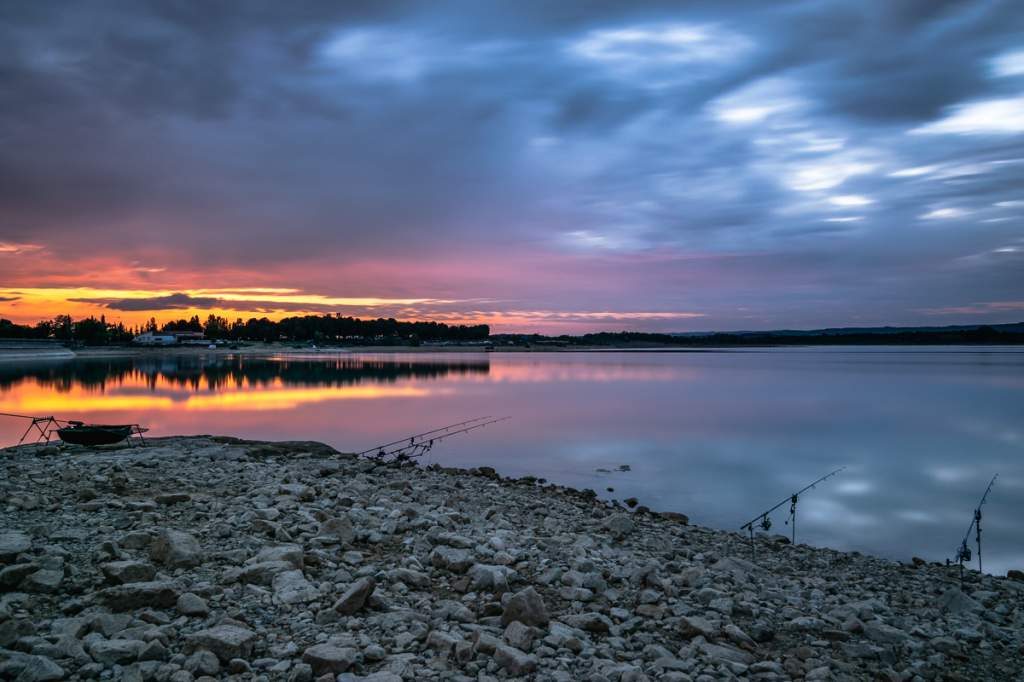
(539, 166)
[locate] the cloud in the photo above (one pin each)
(703, 156)
(170, 302)
(659, 45)
(986, 117)
(986, 308)
(1009, 64)
(8, 298)
(850, 201)
(13, 248)
(943, 214)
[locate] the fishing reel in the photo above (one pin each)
(964, 553)
(766, 523)
(792, 508)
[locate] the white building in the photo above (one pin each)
(155, 339)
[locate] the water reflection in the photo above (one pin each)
(720, 436)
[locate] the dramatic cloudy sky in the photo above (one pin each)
(537, 165)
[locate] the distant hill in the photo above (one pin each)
(1012, 327)
(1002, 334)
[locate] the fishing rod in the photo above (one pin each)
(411, 439)
(419, 448)
(963, 554)
(766, 523)
(44, 425)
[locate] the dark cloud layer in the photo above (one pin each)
(784, 163)
(177, 301)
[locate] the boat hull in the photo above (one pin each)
(95, 434)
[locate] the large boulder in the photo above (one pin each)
(514, 661)
(338, 528)
(489, 578)
(13, 543)
(226, 641)
(527, 607)
(453, 559)
(291, 587)
(25, 668)
(956, 602)
(176, 549)
(111, 651)
(355, 596)
(329, 659)
(619, 525)
(263, 572)
(120, 572)
(289, 553)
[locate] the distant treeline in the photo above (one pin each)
(318, 328)
(327, 329)
(88, 331)
(944, 336)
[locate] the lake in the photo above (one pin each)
(719, 436)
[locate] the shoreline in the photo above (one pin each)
(218, 556)
(269, 350)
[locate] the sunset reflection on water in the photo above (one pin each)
(719, 436)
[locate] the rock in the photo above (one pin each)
(176, 549)
(451, 558)
(1014, 574)
(263, 572)
(109, 624)
(111, 651)
(226, 641)
(192, 605)
(487, 578)
(619, 525)
(13, 543)
(723, 652)
(302, 672)
(203, 662)
(590, 622)
(11, 576)
(130, 596)
(338, 528)
(955, 601)
(43, 580)
(736, 566)
(514, 661)
(291, 554)
(527, 607)
(409, 577)
(136, 540)
(880, 632)
(168, 499)
(519, 636)
(441, 642)
(329, 659)
(33, 668)
(695, 626)
(676, 517)
(153, 651)
(291, 587)
(355, 596)
(120, 572)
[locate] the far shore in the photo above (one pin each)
(60, 353)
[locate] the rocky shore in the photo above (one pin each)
(207, 557)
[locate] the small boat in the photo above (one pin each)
(79, 433)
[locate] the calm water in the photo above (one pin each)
(719, 436)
